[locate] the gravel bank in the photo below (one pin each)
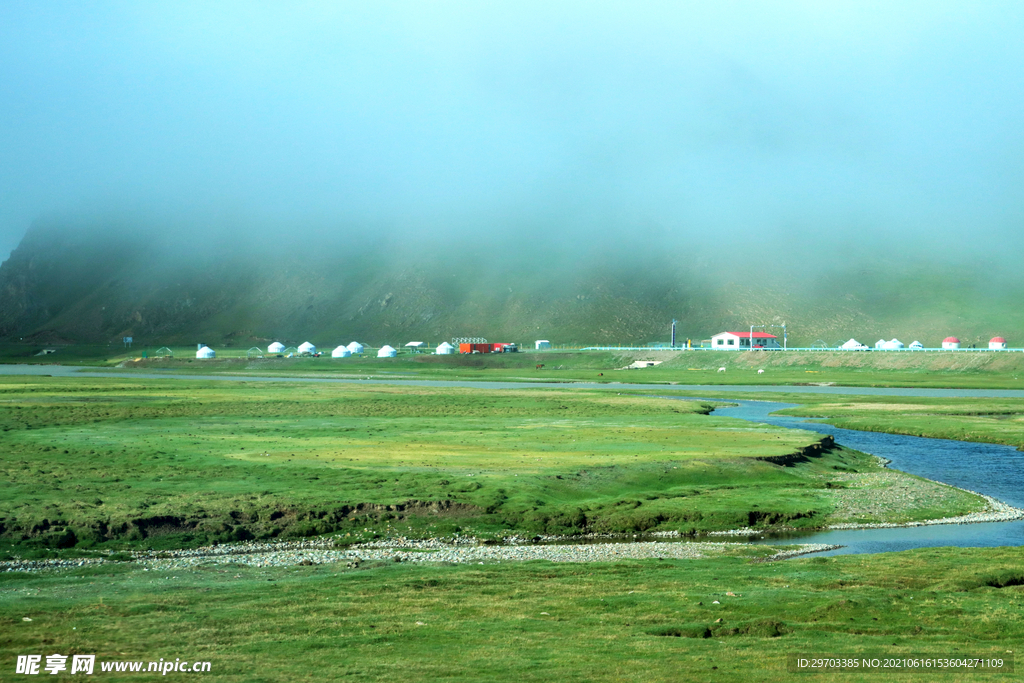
(997, 511)
(448, 551)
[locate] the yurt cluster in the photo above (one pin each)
(342, 351)
(948, 344)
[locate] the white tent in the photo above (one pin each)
(416, 345)
(355, 347)
(341, 352)
(891, 345)
(916, 345)
(880, 344)
(444, 349)
(276, 347)
(853, 345)
(206, 352)
(306, 347)
(386, 352)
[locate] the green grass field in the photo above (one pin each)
(986, 420)
(964, 369)
(99, 463)
(932, 370)
(652, 620)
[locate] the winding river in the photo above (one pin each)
(997, 471)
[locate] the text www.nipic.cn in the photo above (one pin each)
(86, 664)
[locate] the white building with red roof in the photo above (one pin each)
(997, 344)
(744, 341)
(951, 343)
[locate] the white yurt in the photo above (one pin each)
(894, 344)
(444, 349)
(386, 352)
(880, 344)
(341, 352)
(997, 344)
(276, 347)
(306, 347)
(355, 347)
(853, 345)
(951, 343)
(916, 345)
(206, 352)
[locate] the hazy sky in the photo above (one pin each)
(703, 118)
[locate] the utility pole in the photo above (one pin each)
(673, 333)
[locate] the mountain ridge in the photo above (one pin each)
(68, 285)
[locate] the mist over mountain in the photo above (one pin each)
(99, 281)
(578, 171)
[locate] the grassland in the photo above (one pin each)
(100, 463)
(652, 620)
(984, 420)
(963, 369)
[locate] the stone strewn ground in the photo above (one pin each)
(450, 551)
(889, 495)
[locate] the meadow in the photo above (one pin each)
(985, 420)
(99, 463)
(724, 619)
(926, 369)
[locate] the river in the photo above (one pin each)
(994, 470)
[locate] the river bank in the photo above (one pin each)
(453, 550)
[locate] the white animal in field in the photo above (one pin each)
(721, 369)
(760, 372)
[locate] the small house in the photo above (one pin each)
(541, 344)
(997, 344)
(744, 341)
(951, 343)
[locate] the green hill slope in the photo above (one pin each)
(74, 285)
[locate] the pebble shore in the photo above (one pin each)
(459, 550)
(997, 511)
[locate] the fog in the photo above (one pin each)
(763, 130)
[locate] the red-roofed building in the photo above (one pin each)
(997, 343)
(744, 341)
(951, 343)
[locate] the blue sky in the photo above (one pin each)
(796, 119)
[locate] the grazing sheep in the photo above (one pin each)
(760, 372)
(721, 369)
